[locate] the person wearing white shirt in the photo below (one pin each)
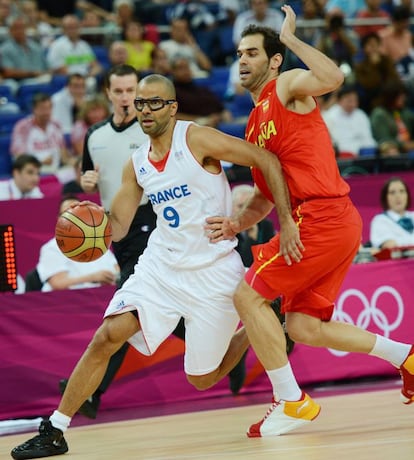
(67, 102)
(395, 226)
(348, 125)
(56, 271)
(25, 179)
(182, 44)
(259, 14)
(69, 54)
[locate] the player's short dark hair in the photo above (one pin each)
(25, 159)
(119, 70)
(271, 41)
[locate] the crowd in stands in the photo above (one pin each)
(54, 55)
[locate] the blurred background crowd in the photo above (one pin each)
(53, 57)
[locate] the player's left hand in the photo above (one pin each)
(290, 244)
(219, 228)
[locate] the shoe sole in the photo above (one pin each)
(290, 426)
(405, 400)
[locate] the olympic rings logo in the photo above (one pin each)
(370, 311)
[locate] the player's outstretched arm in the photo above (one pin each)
(208, 143)
(125, 203)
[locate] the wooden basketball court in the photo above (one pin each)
(360, 426)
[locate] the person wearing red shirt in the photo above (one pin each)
(307, 272)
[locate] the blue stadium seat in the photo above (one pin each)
(101, 53)
(8, 120)
(5, 91)
(5, 157)
(26, 92)
(240, 105)
(225, 35)
(234, 129)
(219, 74)
(58, 82)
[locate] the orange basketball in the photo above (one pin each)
(83, 233)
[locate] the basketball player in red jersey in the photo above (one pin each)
(286, 120)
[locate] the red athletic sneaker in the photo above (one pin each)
(407, 375)
(283, 416)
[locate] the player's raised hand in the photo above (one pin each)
(289, 23)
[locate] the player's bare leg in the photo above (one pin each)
(84, 380)
(329, 334)
(88, 373)
(290, 407)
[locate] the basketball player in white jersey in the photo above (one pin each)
(180, 274)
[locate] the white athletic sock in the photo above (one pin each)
(284, 384)
(60, 421)
(394, 352)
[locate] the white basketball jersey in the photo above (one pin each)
(183, 195)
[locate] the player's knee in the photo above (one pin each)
(201, 382)
(107, 338)
(100, 341)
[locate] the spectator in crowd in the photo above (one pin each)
(117, 53)
(57, 272)
(159, 62)
(260, 14)
(39, 30)
(90, 23)
(70, 54)
(394, 227)
(22, 59)
(397, 42)
(392, 122)
(67, 102)
(38, 135)
(373, 10)
(139, 50)
(182, 44)
(195, 102)
(91, 112)
(25, 179)
(349, 8)
(348, 125)
(396, 38)
(373, 71)
(6, 11)
(123, 13)
(338, 42)
(311, 10)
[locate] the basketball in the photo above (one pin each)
(83, 233)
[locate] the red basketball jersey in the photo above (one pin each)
(302, 144)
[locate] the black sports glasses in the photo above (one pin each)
(153, 104)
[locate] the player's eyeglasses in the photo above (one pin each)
(153, 104)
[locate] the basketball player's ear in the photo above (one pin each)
(174, 108)
(276, 61)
